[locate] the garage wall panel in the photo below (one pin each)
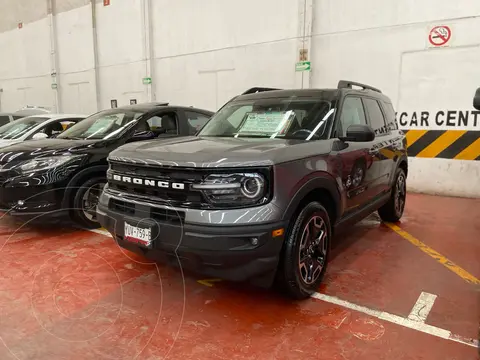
(190, 26)
(75, 40)
(25, 69)
(122, 83)
(119, 31)
(333, 16)
(210, 79)
(78, 92)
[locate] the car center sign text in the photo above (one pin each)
(440, 119)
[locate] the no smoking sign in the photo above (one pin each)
(440, 36)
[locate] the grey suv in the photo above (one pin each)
(259, 191)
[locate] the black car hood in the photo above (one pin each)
(49, 147)
(218, 152)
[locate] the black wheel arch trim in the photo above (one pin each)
(318, 183)
(72, 184)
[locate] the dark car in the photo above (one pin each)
(68, 172)
(257, 194)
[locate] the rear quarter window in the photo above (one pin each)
(389, 116)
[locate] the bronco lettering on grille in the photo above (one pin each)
(148, 182)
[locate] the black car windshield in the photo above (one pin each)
(103, 125)
(288, 118)
(16, 129)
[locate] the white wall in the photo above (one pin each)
(385, 44)
(205, 53)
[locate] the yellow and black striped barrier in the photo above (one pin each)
(444, 144)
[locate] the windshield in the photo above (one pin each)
(16, 129)
(103, 125)
(304, 119)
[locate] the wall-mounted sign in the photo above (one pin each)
(106, 2)
(54, 86)
(303, 55)
(439, 36)
(303, 66)
(20, 25)
(133, 101)
(147, 80)
(113, 104)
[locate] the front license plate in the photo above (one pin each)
(138, 235)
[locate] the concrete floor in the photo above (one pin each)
(73, 294)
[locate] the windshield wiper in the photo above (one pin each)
(70, 138)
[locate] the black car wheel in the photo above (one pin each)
(85, 202)
(392, 211)
(306, 250)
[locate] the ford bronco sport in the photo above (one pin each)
(259, 191)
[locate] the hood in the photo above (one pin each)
(5, 142)
(196, 151)
(29, 149)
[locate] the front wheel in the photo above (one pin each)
(85, 202)
(306, 250)
(392, 211)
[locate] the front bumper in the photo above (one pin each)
(31, 200)
(225, 252)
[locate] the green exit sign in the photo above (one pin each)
(303, 66)
(147, 80)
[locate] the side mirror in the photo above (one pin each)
(39, 136)
(359, 133)
(476, 100)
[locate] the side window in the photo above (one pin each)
(390, 116)
(195, 120)
(68, 123)
(377, 120)
(54, 128)
(352, 114)
(167, 122)
(4, 120)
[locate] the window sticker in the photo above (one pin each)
(266, 123)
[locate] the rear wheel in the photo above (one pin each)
(85, 202)
(392, 211)
(305, 254)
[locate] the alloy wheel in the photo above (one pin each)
(90, 200)
(313, 249)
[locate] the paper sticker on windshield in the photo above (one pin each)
(266, 123)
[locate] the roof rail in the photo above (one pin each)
(345, 84)
(257, 90)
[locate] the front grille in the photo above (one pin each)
(162, 215)
(169, 196)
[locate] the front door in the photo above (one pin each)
(356, 159)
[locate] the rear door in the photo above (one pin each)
(382, 151)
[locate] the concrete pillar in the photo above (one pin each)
(304, 42)
(54, 55)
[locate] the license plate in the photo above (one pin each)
(138, 235)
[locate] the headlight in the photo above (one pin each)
(43, 163)
(234, 189)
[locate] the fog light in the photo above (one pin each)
(254, 241)
(20, 202)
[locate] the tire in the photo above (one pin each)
(291, 276)
(77, 213)
(392, 211)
